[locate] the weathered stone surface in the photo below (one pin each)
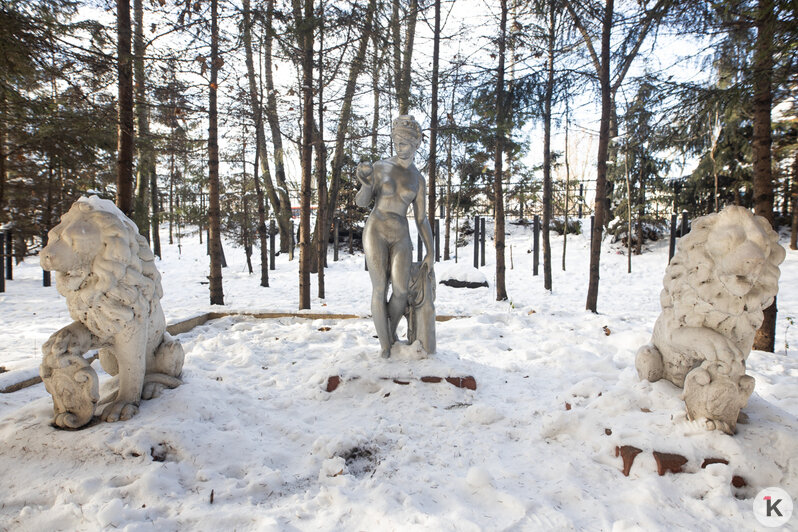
(106, 271)
(627, 454)
(724, 274)
(669, 462)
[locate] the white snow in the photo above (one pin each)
(461, 271)
(252, 441)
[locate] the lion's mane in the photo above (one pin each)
(120, 286)
(694, 296)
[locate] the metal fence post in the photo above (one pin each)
(535, 244)
(272, 231)
(476, 241)
(672, 245)
(9, 255)
(482, 241)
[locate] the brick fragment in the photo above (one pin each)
(627, 454)
(333, 382)
(669, 462)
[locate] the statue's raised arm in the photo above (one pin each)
(365, 174)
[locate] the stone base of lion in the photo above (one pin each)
(106, 271)
(723, 275)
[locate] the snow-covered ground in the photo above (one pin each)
(253, 441)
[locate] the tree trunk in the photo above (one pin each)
(548, 96)
(498, 193)
(282, 208)
(305, 29)
(375, 89)
(3, 120)
(641, 208)
(318, 262)
(124, 130)
(794, 225)
(396, 46)
(144, 160)
(155, 221)
(214, 237)
(765, 339)
(245, 237)
(433, 128)
(601, 165)
(262, 235)
(447, 237)
(171, 189)
(403, 90)
(567, 182)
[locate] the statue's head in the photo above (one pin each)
(407, 133)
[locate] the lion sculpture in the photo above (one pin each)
(724, 274)
(105, 270)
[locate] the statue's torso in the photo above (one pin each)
(395, 186)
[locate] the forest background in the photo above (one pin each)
(212, 116)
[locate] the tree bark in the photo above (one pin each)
(567, 182)
(498, 193)
(155, 221)
(3, 120)
(433, 128)
(262, 235)
(305, 29)
(548, 96)
(124, 130)
(318, 262)
(603, 152)
(375, 89)
(794, 225)
(403, 90)
(765, 339)
(214, 236)
(641, 207)
(144, 160)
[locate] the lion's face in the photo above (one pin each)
(740, 246)
(72, 244)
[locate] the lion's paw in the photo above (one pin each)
(119, 411)
(151, 390)
(649, 363)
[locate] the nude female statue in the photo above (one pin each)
(394, 183)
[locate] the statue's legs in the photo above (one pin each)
(401, 259)
(377, 259)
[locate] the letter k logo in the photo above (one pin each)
(772, 506)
